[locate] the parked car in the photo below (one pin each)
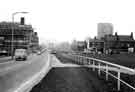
(20, 54)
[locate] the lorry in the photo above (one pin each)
(20, 54)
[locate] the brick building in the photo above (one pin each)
(24, 36)
(116, 42)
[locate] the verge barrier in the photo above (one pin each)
(104, 66)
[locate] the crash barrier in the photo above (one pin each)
(104, 66)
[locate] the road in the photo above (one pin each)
(69, 79)
(14, 74)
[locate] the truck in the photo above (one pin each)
(21, 54)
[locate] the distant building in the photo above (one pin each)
(24, 36)
(104, 29)
(119, 42)
(96, 43)
(115, 42)
(81, 45)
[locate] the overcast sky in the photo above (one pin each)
(65, 20)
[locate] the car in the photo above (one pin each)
(21, 54)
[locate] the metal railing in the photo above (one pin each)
(105, 67)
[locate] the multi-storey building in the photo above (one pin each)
(104, 29)
(23, 36)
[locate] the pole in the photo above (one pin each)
(12, 42)
(99, 73)
(93, 65)
(118, 81)
(107, 72)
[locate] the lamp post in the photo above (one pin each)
(12, 42)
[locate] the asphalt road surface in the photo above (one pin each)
(14, 74)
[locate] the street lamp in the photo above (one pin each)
(12, 45)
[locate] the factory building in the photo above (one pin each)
(23, 36)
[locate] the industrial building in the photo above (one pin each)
(22, 36)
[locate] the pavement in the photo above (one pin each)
(69, 78)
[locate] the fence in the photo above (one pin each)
(105, 66)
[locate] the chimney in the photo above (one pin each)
(35, 33)
(116, 34)
(22, 20)
(131, 35)
(117, 38)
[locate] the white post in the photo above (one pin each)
(118, 81)
(99, 69)
(106, 72)
(93, 65)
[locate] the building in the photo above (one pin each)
(96, 43)
(81, 45)
(119, 42)
(23, 36)
(116, 42)
(104, 29)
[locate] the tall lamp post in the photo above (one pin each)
(12, 44)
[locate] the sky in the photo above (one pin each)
(66, 20)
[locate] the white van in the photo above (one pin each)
(20, 54)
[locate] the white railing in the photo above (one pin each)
(104, 66)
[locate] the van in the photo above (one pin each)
(20, 54)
